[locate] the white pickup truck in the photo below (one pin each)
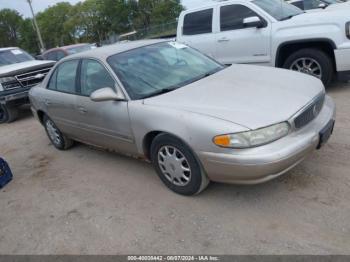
(272, 33)
(19, 72)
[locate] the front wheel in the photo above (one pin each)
(8, 114)
(177, 166)
(313, 62)
(59, 140)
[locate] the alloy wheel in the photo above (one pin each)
(308, 66)
(174, 165)
(53, 132)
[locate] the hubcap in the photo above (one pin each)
(174, 165)
(53, 132)
(307, 66)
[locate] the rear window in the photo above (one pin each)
(198, 22)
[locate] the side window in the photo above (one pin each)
(60, 55)
(232, 16)
(66, 75)
(93, 77)
(51, 56)
(53, 81)
(198, 22)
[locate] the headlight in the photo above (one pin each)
(347, 29)
(253, 138)
(7, 79)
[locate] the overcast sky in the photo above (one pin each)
(39, 5)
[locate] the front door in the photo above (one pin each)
(239, 44)
(105, 124)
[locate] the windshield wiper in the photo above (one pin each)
(160, 92)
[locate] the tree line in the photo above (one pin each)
(89, 21)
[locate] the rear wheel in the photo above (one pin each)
(313, 62)
(177, 166)
(8, 114)
(59, 140)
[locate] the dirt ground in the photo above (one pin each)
(87, 201)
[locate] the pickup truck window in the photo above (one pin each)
(231, 16)
(198, 22)
(278, 9)
(13, 56)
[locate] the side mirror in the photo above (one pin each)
(322, 5)
(105, 94)
(253, 21)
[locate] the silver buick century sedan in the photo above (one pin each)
(193, 118)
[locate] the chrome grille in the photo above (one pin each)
(310, 112)
(32, 78)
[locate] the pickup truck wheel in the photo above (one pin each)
(59, 140)
(177, 166)
(312, 62)
(8, 114)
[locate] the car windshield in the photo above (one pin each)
(78, 49)
(13, 56)
(155, 69)
(278, 9)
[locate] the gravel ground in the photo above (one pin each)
(87, 201)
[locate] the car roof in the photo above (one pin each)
(104, 52)
(64, 47)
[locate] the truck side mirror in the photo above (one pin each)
(253, 21)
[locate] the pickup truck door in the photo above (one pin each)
(240, 43)
(197, 31)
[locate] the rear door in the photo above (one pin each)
(197, 31)
(105, 124)
(61, 96)
(237, 43)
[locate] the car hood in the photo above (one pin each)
(24, 66)
(250, 96)
(339, 6)
(329, 15)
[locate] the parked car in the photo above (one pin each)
(193, 118)
(272, 33)
(58, 53)
(318, 5)
(19, 71)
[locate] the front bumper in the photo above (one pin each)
(261, 164)
(15, 94)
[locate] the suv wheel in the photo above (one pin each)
(60, 141)
(312, 62)
(7, 114)
(177, 166)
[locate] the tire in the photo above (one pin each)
(8, 114)
(170, 168)
(57, 138)
(317, 57)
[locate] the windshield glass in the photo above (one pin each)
(78, 49)
(154, 69)
(278, 9)
(14, 56)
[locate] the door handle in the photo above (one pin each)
(224, 39)
(82, 109)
